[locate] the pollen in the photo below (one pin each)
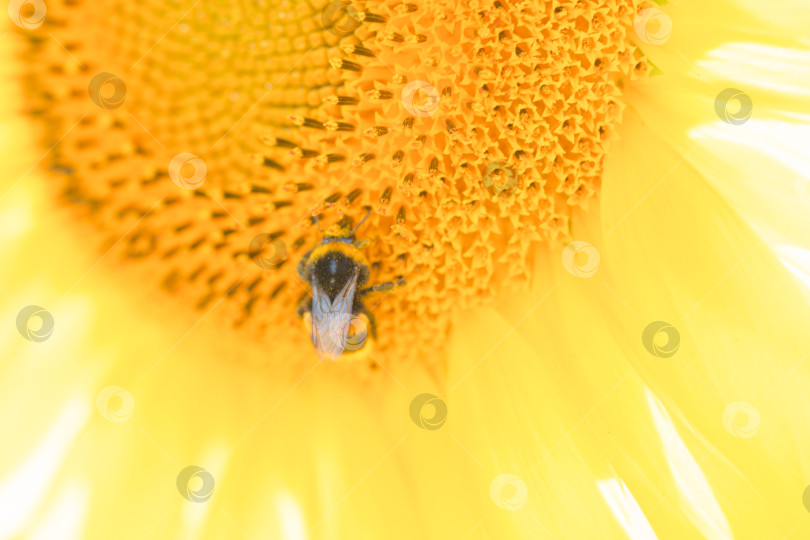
(188, 131)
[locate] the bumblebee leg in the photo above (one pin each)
(384, 287)
(364, 243)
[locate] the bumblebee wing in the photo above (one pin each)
(323, 320)
(330, 319)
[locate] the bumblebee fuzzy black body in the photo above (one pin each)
(332, 264)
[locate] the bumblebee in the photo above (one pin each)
(334, 314)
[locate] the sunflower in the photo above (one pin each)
(587, 216)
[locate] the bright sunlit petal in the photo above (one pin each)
(626, 509)
(65, 518)
(765, 66)
(695, 492)
(292, 520)
(23, 488)
(797, 260)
